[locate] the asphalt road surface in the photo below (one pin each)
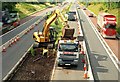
(102, 65)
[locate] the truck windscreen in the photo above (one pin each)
(110, 26)
(68, 47)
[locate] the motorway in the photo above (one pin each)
(102, 65)
(15, 52)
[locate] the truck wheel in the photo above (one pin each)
(59, 65)
(35, 45)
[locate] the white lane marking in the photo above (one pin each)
(5, 78)
(89, 64)
(102, 40)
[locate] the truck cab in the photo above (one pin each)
(68, 52)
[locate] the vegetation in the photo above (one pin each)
(24, 8)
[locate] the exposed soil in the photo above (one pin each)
(36, 67)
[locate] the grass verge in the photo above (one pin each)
(26, 9)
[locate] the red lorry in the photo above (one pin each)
(107, 23)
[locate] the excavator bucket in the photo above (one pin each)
(68, 33)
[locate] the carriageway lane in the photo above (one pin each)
(70, 73)
(16, 51)
(6, 37)
(102, 65)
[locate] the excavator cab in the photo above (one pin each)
(45, 42)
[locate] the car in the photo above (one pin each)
(72, 12)
(90, 15)
(78, 7)
(71, 17)
(84, 8)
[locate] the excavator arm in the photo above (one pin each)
(42, 37)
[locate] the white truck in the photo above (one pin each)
(68, 50)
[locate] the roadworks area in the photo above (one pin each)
(36, 67)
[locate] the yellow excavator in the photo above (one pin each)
(49, 34)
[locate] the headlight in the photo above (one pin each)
(9, 21)
(76, 60)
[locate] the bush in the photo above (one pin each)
(101, 8)
(106, 10)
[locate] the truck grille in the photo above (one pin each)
(67, 61)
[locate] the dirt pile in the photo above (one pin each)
(36, 67)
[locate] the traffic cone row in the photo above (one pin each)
(28, 30)
(14, 41)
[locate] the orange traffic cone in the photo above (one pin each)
(83, 60)
(85, 67)
(82, 52)
(36, 24)
(26, 32)
(85, 75)
(17, 38)
(32, 26)
(10, 43)
(4, 49)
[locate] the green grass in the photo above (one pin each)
(58, 27)
(26, 9)
(95, 8)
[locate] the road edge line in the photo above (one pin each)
(90, 72)
(53, 71)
